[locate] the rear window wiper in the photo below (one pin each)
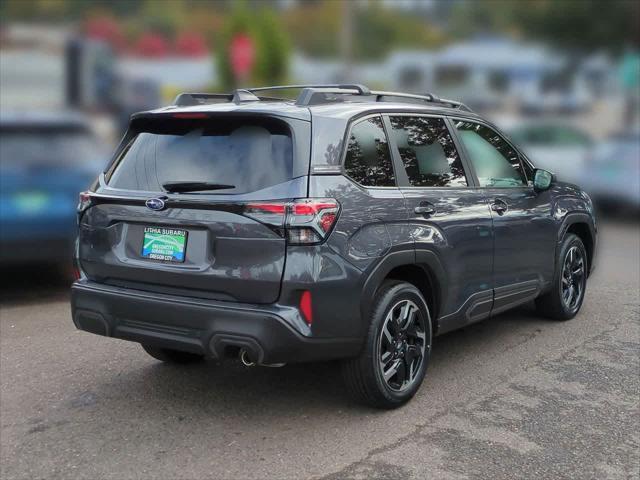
(181, 187)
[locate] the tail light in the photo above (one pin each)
(310, 220)
(306, 221)
(84, 201)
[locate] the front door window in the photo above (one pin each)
(496, 163)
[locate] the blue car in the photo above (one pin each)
(45, 160)
(612, 173)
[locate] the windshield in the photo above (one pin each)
(245, 156)
(42, 148)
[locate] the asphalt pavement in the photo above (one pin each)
(515, 396)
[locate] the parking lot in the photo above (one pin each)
(514, 396)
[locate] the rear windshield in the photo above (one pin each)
(249, 155)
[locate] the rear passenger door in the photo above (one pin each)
(373, 215)
(523, 224)
(448, 216)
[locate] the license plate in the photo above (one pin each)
(31, 202)
(166, 244)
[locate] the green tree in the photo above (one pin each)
(315, 27)
(273, 50)
(270, 42)
(378, 29)
(579, 26)
(165, 17)
(63, 10)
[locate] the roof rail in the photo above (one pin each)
(427, 97)
(247, 94)
(315, 95)
(312, 95)
(190, 99)
(238, 96)
(361, 89)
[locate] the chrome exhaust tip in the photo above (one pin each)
(245, 359)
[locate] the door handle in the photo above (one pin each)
(500, 206)
(425, 209)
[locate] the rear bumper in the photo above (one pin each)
(200, 326)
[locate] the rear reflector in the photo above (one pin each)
(75, 265)
(305, 307)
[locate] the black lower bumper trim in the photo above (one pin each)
(198, 326)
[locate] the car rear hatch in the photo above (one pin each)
(186, 207)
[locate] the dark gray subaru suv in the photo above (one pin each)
(346, 224)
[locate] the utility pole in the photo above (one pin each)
(346, 40)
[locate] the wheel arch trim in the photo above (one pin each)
(425, 259)
(574, 218)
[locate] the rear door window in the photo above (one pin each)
(249, 155)
(368, 160)
(427, 152)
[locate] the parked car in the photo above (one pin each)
(555, 146)
(556, 94)
(612, 173)
(347, 224)
(46, 159)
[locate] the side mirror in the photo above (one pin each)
(542, 180)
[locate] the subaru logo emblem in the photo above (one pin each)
(155, 203)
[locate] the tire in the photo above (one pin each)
(559, 303)
(397, 338)
(172, 356)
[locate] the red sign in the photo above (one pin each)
(242, 55)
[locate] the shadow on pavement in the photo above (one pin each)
(33, 284)
(198, 391)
